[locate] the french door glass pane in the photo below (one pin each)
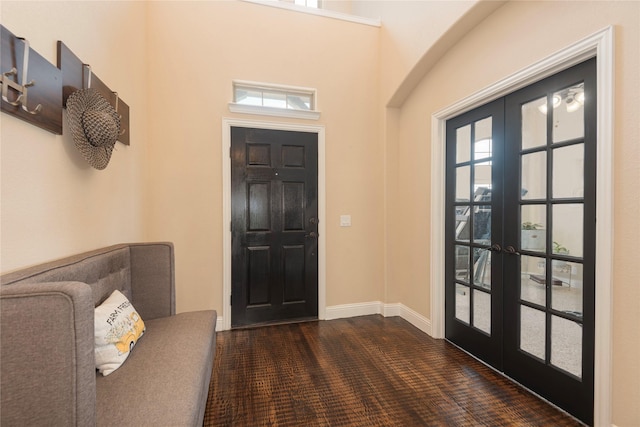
(482, 145)
(534, 176)
(567, 229)
(463, 183)
(532, 331)
(462, 223)
(568, 117)
(568, 171)
(462, 263)
(463, 144)
(566, 345)
(482, 311)
(482, 225)
(533, 225)
(533, 273)
(462, 303)
(566, 295)
(482, 180)
(482, 268)
(534, 123)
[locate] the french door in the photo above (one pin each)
(520, 227)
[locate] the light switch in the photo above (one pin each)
(345, 220)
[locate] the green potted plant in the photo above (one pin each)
(559, 249)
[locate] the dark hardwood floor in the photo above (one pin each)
(364, 371)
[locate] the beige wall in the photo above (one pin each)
(504, 43)
(53, 203)
(196, 49)
(409, 28)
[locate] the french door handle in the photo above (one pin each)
(495, 248)
(313, 234)
(510, 250)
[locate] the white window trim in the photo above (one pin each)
(601, 45)
(235, 107)
(318, 12)
(272, 111)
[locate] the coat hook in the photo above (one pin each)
(119, 115)
(7, 82)
(87, 66)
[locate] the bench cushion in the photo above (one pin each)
(165, 380)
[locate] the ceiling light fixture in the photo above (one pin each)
(572, 104)
(556, 103)
(573, 98)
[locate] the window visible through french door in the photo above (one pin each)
(520, 236)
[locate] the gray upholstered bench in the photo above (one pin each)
(47, 367)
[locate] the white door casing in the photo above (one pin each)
(227, 124)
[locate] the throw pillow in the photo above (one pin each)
(117, 329)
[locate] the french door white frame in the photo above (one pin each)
(227, 124)
(600, 45)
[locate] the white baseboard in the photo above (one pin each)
(377, 307)
(353, 310)
(416, 319)
(365, 309)
(392, 310)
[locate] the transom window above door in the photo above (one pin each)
(274, 100)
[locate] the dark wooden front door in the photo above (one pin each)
(274, 227)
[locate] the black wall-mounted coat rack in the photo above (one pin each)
(31, 86)
(35, 90)
(75, 76)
